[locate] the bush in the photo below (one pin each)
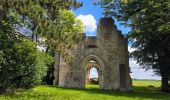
(44, 61)
(21, 64)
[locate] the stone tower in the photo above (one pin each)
(107, 52)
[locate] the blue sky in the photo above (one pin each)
(90, 15)
(89, 9)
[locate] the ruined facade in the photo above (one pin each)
(107, 52)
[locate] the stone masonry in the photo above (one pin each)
(108, 49)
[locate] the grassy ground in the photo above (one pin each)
(143, 90)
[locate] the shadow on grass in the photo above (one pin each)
(138, 92)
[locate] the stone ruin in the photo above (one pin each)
(107, 52)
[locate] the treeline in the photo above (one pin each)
(26, 25)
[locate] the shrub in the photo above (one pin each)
(22, 65)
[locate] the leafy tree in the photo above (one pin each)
(49, 20)
(150, 35)
(21, 64)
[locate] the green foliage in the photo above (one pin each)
(24, 66)
(43, 62)
(51, 20)
(21, 64)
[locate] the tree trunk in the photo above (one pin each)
(164, 81)
(56, 66)
(2, 13)
(32, 37)
(47, 49)
(36, 38)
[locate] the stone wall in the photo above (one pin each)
(109, 50)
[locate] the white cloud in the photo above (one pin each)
(89, 22)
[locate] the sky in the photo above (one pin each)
(90, 15)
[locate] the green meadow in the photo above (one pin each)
(142, 90)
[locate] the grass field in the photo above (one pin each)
(142, 90)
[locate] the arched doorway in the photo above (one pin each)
(93, 61)
(92, 69)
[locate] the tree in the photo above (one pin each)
(49, 20)
(21, 64)
(150, 35)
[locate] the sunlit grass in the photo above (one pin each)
(143, 90)
(146, 83)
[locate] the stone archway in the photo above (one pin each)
(99, 65)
